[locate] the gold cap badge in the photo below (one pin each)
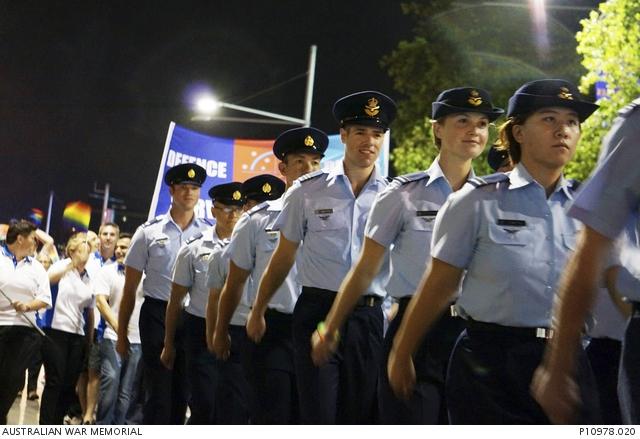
(236, 195)
(372, 108)
(191, 173)
(266, 188)
(565, 94)
(308, 141)
(474, 98)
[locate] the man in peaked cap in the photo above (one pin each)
(153, 251)
(399, 227)
(326, 211)
(269, 364)
(190, 277)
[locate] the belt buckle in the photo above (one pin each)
(453, 311)
(370, 301)
(544, 333)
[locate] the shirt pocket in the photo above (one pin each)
(422, 222)
(328, 231)
(159, 252)
(518, 236)
(268, 241)
(200, 269)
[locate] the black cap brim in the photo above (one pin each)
(442, 109)
(533, 103)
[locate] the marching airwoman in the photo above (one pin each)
(511, 235)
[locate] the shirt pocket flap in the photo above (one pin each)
(508, 235)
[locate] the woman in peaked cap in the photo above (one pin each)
(510, 237)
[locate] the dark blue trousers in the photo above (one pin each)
(344, 390)
(234, 396)
(202, 368)
(427, 404)
(270, 371)
(166, 391)
(604, 357)
(629, 379)
(490, 375)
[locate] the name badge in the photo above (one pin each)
(511, 223)
(426, 213)
(323, 211)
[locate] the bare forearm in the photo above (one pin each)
(172, 315)
(576, 294)
(212, 312)
(106, 312)
(354, 285)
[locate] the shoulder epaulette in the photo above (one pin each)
(311, 175)
(389, 179)
(414, 176)
(194, 238)
(258, 208)
(488, 179)
(574, 184)
(153, 221)
(630, 108)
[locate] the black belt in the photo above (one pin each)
(370, 300)
(636, 307)
(544, 333)
(154, 300)
(403, 302)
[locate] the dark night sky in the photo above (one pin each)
(88, 88)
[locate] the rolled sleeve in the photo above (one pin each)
(217, 272)
(456, 229)
(182, 272)
(291, 221)
(242, 247)
(385, 218)
(137, 254)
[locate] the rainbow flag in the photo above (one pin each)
(36, 216)
(77, 214)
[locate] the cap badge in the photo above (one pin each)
(474, 98)
(372, 108)
(266, 188)
(191, 173)
(236, 195)
(565, 94)
(308, 141)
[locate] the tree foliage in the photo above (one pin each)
(485, 46)
(610, 47)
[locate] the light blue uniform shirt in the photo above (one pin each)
(154, 248)
(191, 267)
(612, 194)
(321, 210)
(218, 270)
(254, 240)
(514, 243)
(403, 216)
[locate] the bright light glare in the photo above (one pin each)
(207, 105)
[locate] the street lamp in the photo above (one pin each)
(207, 105)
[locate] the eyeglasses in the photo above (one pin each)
(229, 209)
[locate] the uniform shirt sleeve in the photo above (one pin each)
(242, 247)
(137, 254)
(182, 272)
(217, 273)
(43, 291)
(456, 228)
(613, 193)
(291, 221)
(386, 216)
